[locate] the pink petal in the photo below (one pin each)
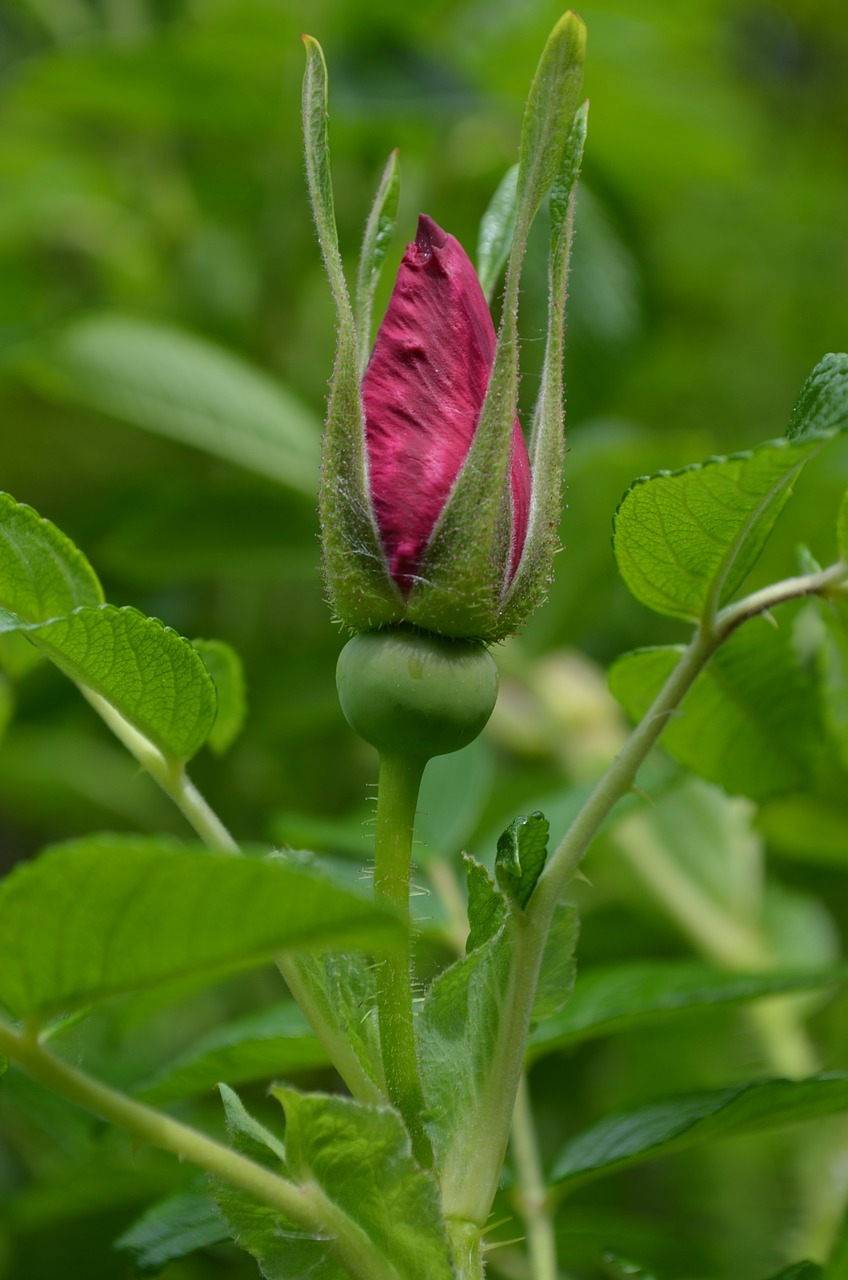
(423, 392)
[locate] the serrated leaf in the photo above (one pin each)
(487, 908)
(266, 1045)
(42, 574)
(460, 1022)
(342, 991)
(520, 859)
(558, 969)
(749, 722)
(224, 666)
(185, 388)
(497, 227)
(357, 1161)
(171, 1229)
(627, 996)
(345, 1147)
(686, 540)
(379, 230)
(150, 675)
(677, 1124)
(822, 404)
(110, 914)
(255, 1139)
(284, 1250)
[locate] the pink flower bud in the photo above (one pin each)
(423, 393)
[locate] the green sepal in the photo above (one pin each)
(379, 230)
(359, 586)
(520, 859)
(462, 584)
(497, 228)
(547, 440)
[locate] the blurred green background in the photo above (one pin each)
(152, 186)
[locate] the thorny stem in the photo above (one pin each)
(532, 1196)
(474, 1189)
(397, 798)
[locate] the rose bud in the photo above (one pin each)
(423, 393)
(435, 514)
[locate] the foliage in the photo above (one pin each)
(165, 345)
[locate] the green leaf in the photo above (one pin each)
(677, 1124)
(625, 996)
(685, 541)
(358, 1160)
(497, 227)
(188, 389)
(361, 1159)
(379, 230)
(171, 1229)
(558, 969)
(261, 1046)
(749, 722)
(148, 673)
(284, 1250)
(460, 1023)
(224, 666)
(822, 404)
(342, 989)
(256, 1139)
(521, 855)
(42, 574)
(110, 914)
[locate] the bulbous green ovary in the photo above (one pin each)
(416, 695)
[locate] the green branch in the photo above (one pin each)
(397, 800)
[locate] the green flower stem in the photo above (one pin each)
(397, 798)
(532, 1196)
(176, 784)
(307, 1206)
